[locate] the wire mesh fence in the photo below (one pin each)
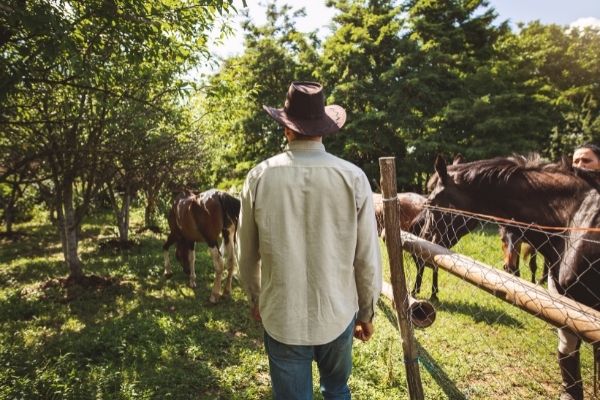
(496, 334)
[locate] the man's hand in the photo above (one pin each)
(255, 313)
(363, 330)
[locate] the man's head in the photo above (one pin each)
(587, 156)
(305, 112)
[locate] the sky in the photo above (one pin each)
(318, 16)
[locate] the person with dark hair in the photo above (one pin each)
(309, 254)
(587, 156)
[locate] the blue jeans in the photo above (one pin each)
(291, 367)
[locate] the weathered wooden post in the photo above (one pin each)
(387, 168)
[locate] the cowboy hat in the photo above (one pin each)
(305, 111)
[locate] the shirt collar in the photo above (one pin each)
(305, 145)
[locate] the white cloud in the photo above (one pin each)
(585, 22)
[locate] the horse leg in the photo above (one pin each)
(569, 363)
(419, 278)
(215, 294)
(544, 277)
(533, 265)
(511, 250)
(434, 284)
(168, 272)
(191, 262)
(229, 255)
(516, 255)
(568, 359)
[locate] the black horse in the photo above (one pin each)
(564, 201)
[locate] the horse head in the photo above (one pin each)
(441, 227)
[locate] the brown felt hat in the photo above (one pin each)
(305, 111)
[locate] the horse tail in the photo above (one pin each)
(231, 211)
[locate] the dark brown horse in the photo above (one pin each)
(462, 227)
(204, 217)
(548, 195)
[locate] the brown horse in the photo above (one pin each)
(204, 217)
(548, 195)
(411, 204)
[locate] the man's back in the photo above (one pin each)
(305, 208)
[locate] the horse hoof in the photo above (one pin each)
(168, 275)
(192, 285)
(214, 299)
(434, 298)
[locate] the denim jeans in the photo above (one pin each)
(291, 367)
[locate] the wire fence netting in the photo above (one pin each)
(495, 333)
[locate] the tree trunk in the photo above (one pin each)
(123, 218)
(9, 217)
(121, 210)
(10, 210)
(69, 236)
(150, 219)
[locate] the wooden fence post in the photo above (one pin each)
(387, 167)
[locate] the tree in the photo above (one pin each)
(452, 44)
(566, 63)
(69, 67)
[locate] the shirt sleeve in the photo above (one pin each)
(248, 251)
(367, 262)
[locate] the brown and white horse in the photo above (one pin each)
(204, 217)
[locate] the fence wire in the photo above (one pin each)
(484, 346)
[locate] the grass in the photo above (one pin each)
(144, 337)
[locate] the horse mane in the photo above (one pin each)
(503, 168)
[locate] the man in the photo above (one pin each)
(587, 156)
(308, 251)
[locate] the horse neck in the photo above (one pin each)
(547, 202)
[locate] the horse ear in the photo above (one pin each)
(440, 168)
(458, 159)
(565, 162)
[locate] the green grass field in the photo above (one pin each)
(143, 337)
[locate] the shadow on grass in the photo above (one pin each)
(426, 360)
(479, 313)
(142, 333)
(439, 375)
(178, 341)
(31, 271)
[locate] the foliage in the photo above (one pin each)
(565, 65)
(238, 133)
(83, 83)
(357, 69)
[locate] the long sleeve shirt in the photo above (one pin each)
(308, 249)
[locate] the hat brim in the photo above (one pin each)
(331, 122)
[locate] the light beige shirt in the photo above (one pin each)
(308, 246)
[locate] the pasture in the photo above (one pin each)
(139, 336)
